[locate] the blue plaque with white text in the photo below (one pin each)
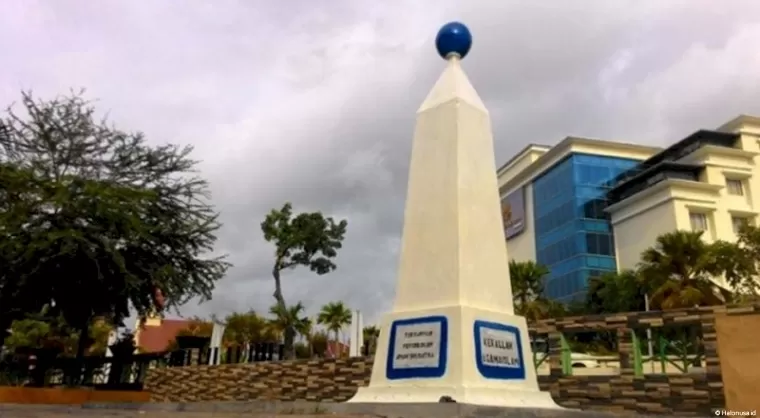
(417, 348)
(498, 351)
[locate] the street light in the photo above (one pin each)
(649, 334)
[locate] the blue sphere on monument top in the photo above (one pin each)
(454, 39)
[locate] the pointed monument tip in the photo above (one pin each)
(452, 85)
(453, 41)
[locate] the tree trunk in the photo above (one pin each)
(84, 333)
(4, 326)
(338, 345)
(289, 332)
(290, 337)
(81, 346)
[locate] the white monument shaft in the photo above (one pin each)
(453, 248)
(452, 331)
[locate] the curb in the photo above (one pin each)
(434, 410)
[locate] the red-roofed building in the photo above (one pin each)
(155, 334)
(336, 349)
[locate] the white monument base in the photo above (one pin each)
(484, 396)
(472, 355)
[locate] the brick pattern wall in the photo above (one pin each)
(328, 380)
(337, 380)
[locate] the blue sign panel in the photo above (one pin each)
(498, 351)
(417, 348)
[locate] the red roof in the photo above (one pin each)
(336, 349)
(154, 339)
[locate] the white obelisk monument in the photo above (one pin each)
(453, 331)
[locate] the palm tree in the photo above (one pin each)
(371, 335)
(305, 327)
(527, 279)
(289, 318)
(335, 316)
(679, 269)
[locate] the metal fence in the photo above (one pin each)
(109, 373)
(120, 373)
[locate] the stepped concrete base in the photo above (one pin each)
(385, 410)
(484, 396)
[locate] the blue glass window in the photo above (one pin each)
(573, 233)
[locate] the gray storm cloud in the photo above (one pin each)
(313, 102)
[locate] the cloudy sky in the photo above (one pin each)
(313, 101)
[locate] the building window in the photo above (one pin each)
(698, 221)
(735, 187)
(737, 222)
(572, 230)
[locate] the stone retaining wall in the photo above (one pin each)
(337, 380)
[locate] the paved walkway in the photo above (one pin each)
(294, 410)
(23, 412)
(156, 414)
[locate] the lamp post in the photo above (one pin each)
(650, 346)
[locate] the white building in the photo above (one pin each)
(587, 206)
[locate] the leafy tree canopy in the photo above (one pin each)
(740, 263)
(683, 270)
(52, 333)
(335, 316)
(527, 278)
(527, 281)
(95, 219)
(248, 328)
(615, 292)
(371, 336)
(291, 317)
(307, 239)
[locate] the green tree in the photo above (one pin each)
(527, 279)
(679, 269)
(125, 344)
(52, 333)
(371, 335)
(616, 292)
(248, 328)
(196, 327)
(31, 334)
(556, 309)
(18, 297)
(334, 316)
(99, 220)
(740, 263)
(305, 328)
(291, 318)
(303, 351)
(308, 239)
(99, 331)
(319, 341)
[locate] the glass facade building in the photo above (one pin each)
(573, 234)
